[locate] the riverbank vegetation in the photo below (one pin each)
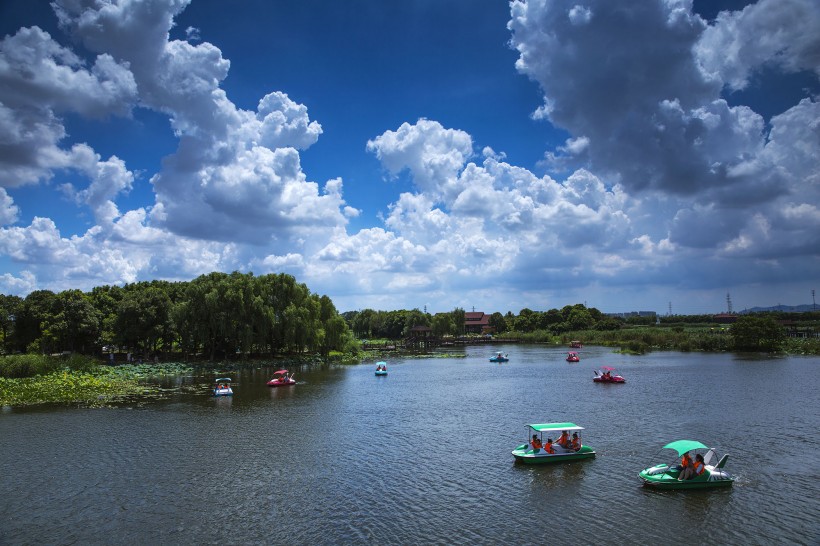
(38, 379)
(776, 332)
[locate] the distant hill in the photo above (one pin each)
(783, 308)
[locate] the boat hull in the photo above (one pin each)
(381, 372)
(223, 392)
(613, 380)
(496, 359)
(526, 455)
(664, 477)
(275, 383)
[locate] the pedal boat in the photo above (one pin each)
(527, 455)
(665, 476)
(381, 368)
(281, 379)
(222, 386)
(499, 358)
(607, 377)
(572, 356)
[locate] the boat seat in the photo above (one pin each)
(707, 459)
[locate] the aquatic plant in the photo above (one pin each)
(93, 386)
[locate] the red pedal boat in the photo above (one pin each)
(281, 379)
(607, 376)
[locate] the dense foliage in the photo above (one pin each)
(215, 316)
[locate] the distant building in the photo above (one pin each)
(421, 331)
(725, 318)
(652, 314)
(477, 322)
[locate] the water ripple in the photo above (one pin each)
(422, 456)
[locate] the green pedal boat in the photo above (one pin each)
(708, 469)
(539, 435)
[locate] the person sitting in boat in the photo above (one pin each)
(548, 448)
(686, 467)
(576, 442)
(699, 465)
(535, 443)
(563, 440)
(607, 375)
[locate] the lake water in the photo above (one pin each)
(422, 456)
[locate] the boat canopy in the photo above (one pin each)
(682, 446)
(280, 372)
(382, 362)
(222, 379)
(549, 427)
(607, 368)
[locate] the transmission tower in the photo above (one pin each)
(813, 303)
(729, 302)
(670, 308)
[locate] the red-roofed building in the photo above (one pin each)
(477, 323)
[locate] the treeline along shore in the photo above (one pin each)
(60, 346)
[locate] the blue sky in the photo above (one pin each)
(451, 153)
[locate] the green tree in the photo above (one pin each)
(549, 319)
(412, 318)
(9, 306)
(580, 319)
(72, 325)
(457, 316)
(36, 308)
(498, 322)
(752, 333)
(442, 324)
(526, 321)
(363, 324)
(105, 300)
(143, 318)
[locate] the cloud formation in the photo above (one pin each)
(664, 184)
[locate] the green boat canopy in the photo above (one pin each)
(549, 427)
(682, 446)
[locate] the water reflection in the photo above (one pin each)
(282, 392)
(222, 401)
(558, 475)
